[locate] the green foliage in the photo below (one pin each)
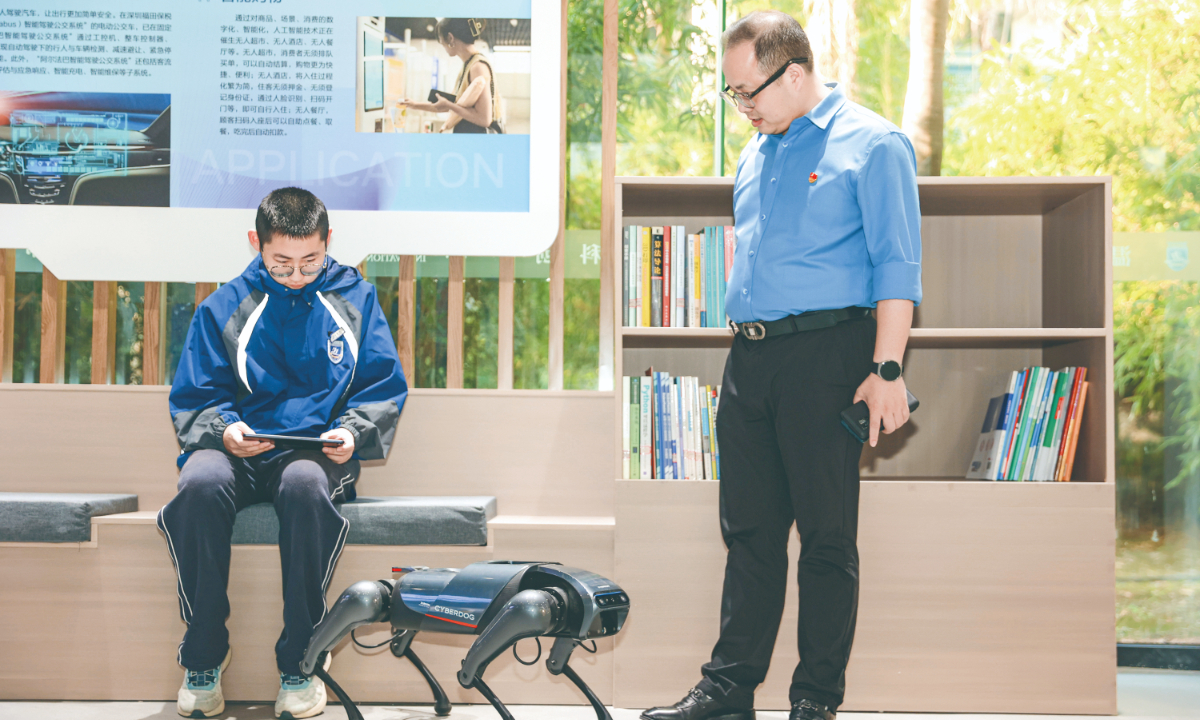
(882, 72)
(1118, 98)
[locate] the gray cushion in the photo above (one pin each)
(56, 517)
(387, 521)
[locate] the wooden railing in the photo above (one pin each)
(153, 352)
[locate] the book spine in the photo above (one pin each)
(645, 427)
(660, 455)
(1080, 376)
(976, 469)
(646, 257)
(998, 435)
(708, 296)
(705, 443)
(730, 249)
(677, 412)
(697, 434)
(635, 276)
(1039, 426)
(689, 281)
(669, 414)
(624, 276)
(716, 403)
(625, 405)
(1069, 457)
(1060, 430)
(722, 275)
(667, 276)
(1022, 402)
(1054, 426)
(635, 427)
(996, 456)
(1014, 408)
(677, 285)
(1031, 424)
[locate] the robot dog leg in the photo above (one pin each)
(364, 603)
(501, 602)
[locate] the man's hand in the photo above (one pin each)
(239, 446)
(887, 401)
(339, 453)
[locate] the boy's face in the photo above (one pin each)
(299, 255)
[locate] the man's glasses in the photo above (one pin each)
(746, 100)
(285, 271)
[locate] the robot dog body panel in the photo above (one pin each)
(500, 601)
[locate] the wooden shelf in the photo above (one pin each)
(965, 338)
(948, 196)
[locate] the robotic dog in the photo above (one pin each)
(501, 602)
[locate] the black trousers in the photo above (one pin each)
(785, 458)
(198, 525)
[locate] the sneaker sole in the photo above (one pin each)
(201, 714)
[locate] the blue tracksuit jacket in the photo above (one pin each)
(289, 362)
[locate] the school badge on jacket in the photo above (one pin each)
(335, 346)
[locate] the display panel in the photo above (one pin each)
(192, 112)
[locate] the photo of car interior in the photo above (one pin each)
(60, 148)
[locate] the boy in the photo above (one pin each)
(296, 345)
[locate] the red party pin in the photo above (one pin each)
(812, 178)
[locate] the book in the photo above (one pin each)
(978, 467)
(667, 277)
(625, 428)
(1041, 402)
(716, 405)
(645, 428)
(722, 274)
(705, 441)
(679, 311)
(1047, 454)
(1011, 442)
(635, 429)
(1075, 419)
(635, 267)
(1003, 427)
(1072, 403)
(1068, 461)
(625, 276)
(646, 258)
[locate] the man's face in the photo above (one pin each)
(281, 252)
(774, 109)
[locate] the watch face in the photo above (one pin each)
(889, 370)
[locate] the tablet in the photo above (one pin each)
(291, 441)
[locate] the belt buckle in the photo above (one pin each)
(754, 330)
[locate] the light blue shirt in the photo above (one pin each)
(826, 216)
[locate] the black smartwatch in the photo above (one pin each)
(889, 370)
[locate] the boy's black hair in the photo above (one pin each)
(292, 212)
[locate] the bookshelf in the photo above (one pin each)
(1016, 272)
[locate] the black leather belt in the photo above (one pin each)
(813, 320)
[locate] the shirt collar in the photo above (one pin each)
(825, 110)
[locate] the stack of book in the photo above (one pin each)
(1030, 432)
(669, 428)
(673, 279)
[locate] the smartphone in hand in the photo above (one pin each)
(857, 417)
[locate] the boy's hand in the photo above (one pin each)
(340, 453)
(239, 446)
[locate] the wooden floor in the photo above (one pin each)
(1144, 694)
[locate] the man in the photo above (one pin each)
(296, 345)
(828, 226)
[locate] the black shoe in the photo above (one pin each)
(810, 710)
(697, 706)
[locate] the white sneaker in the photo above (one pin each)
(301, 697)
(200, 695)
